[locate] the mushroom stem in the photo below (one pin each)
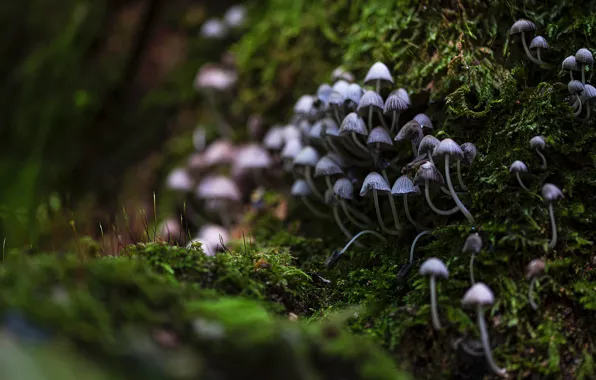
(394, 122)
(461, 206)
(379, 217)
(355, 212)
(528, 53)
(407, 209)
(571, 74)
(312, 208)
(433, 304)
(587, 117)
(392, 204)
(543, 166)
(383, 123)
(413, 246)
(349, 215)
(583, 66)
(358, 143)
(472, 257)
(553, 224)
(341, 225)
(311, 183)
(370, 115)
(336, 113)
(538, 56)
(353, 240)
(432, 205)
(486, 344)
(459, 177)
(414, 148)
(579, 109)
(519, 180)
(530, 294)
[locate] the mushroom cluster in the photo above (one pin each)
(583, 95)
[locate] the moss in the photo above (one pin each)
(137, 323)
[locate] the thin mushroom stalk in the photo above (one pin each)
(433, 303)
(336, 255)
(313, 209)
(340, 224)
(379, 217)
(587, 117)
(413, 246)
(531, 294)
(553, 223)
(432, 205)
(392, 205)
(543, 166)
(521, 183)
(472, 257)
(461, 206)
(409, 216)
(528, 53)
(486, 343)
(311, 183)
(579, 109)
(460, 178)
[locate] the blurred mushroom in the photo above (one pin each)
(534, 270)
(551, 194)
(434, 268)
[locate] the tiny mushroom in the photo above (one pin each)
(539, 43)
(551, 194)
(576, 88)
(480, 296)
(425, 122)
(570, 64)
(428, 145)
(378, 74)
(519, 167)
(369, 102)
(300, 188)
(584, 58)
(395, 105)
(589, 100)
(427, 173)
(411, 131)
(472, 245)
(375, 182)
(404, 186)
(534, 270)
(523, 26)
(434, 268)
(538, 143)
(308, 158)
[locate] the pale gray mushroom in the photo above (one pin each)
(179, 180)
(274, 139)
(394, 106)
(405, 186)
(480, 296)
(584, 58)
(589, 98)
(222, 192)
(326, 167)
(539, 43)
(336, 102)
(449, 149)
(341, 73)
(375, 182)
(551, 194)
(301, 189)
(472, 245)
(427, 173)
(354, 94)
(378, 74)
(534, 270)
(576, 88)
(519, 167)
(538, 143)
(434, 268)
(425, 122)
(371, 101)
(253, 158)
(324, 92)
(402, 93)
(353, 125)
(308, 157)
(212, 238)
(428, 145)
(523, 26)
(570, 64)
(344, 191)
(411, 131)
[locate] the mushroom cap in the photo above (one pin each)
(213, 28)
(308, 156)
(521, 26)
(214, 77)
(354, 93)
(473, 243)
(448, 147)
(218, 187)
(343, 188)
(291, 149)
(235, 16)
(410, 131)
(404, 185)
(584, 56)
(478, 294)
(539, 42)
(337, 158)
(469, 151)
(300, 188)
(316, 131)
(428, 171)
(402, 93)
(379, 135)
(274, 138)
(589, 92)
(551, 193)
(378, 71)
(304, 105)
(374, 181)
(219, 152)
(370, 99)
(518, 167)
(353, 123)
(252, 156)
(336, 98)
(212, 236)
(395, 103)
(537, 142)
(434, 267)
(324, 92)
(326, 167)
(341, 86)
(570, 63)
(424, 121)
(575, 87)
(292, 132)
(428, 144)
(179, 180)
(535, 268)
(341, 73)
(330, 130)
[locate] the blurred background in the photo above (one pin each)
(98, 106)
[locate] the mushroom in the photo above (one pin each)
(584, 58)
(411, 131)
(212, 79)
(378, 74)
(324, 92)
(179, 180)
(519, 167)
(589, 100)
(336, 102)
(354, 94)
(426, 173)
(428, 145)
(480, 296)
(472, 245)
(534, 270)
(235, 16)
(425, 122)
(308, 157)
(212, 238)
(551, 194)
(300, 188)
(469, 151)
(305, 106)
(332, 260)
(170, 231)
(404, 186)
(402, 93)
(255, 159)
(378, 138)
(354, 125)
(290, 151)
(395, 105)
(326, 167)
(522, 26)
(538, 43)
(344, 190)
(449, 149)
(576, 88)
(538, 143)
(375, 182)
(213, 29)
(371, 101)
(341, 73)
(570, 64)
(222, 192)
(434, 268)
(274, 139)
